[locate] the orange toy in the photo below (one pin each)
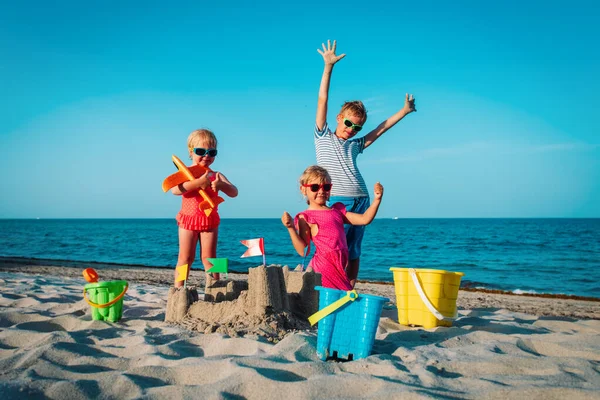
(90, 275)
(187, 174)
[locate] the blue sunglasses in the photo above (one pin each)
(201, 152)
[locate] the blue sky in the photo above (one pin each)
(94, 99)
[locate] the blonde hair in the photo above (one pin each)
(202, 136)
(356, 108)
(314, 172)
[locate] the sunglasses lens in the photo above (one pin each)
(200, 152)
(315, 187)
(349, 124)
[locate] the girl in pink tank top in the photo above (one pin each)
(325, 227)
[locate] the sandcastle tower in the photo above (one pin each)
(272, 294)
(267, 289)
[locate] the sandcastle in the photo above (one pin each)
(274, 301)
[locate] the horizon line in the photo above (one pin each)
(277, 218)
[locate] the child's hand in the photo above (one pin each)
(204, 180)
(378, 191)
(409, 104)
(328, 53)
(218, 180)
(287, 220)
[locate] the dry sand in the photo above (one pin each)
(502, 346)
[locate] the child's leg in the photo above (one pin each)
(187, 251)
(352, 271)
(208, 247)
(354, 237)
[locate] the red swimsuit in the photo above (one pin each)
(191, 217)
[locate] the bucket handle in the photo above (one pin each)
(351, 295)
(110, 303)
(430, 307)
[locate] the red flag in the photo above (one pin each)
(256, 247)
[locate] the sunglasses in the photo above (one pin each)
(314, 187)
(199, 151)
(352, 125)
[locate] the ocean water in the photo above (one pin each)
(558, 256)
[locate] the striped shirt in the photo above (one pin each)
(338, 157)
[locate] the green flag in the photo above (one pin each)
(219, 265)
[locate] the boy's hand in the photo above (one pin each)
(378, 191)
(409, 104)
(287, 220)
(328, 53)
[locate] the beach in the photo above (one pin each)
(501, 346)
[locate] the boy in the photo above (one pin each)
(337, 152)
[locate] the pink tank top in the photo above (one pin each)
(331, 250)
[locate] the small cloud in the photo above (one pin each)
(574, 146)
(373, 100)
(375, 105)
(436, 152)
(489, 147)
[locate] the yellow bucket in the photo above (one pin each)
(426, 297)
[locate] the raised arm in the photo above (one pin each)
(330, 59)
(369, 215)
(299, 238)
(409, 106)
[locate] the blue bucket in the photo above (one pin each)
(348, 332)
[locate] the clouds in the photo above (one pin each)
(489, 148)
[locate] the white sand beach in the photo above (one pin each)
(502, 346)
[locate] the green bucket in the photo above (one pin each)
(106, 299)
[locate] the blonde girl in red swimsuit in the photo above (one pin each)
(193, 223)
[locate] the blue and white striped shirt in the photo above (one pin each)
(338, 157)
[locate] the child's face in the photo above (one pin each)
(318, 197)
(343, 131)
(205, 160)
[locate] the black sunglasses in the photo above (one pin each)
(352, 125)
(199, 151)
(314, 187)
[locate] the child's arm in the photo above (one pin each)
(201, 182)
(409, 106)
(330, 59)
(300, 238)
(369, 215)
(220, 182)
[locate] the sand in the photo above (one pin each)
(502, 346)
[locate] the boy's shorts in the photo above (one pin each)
(354, 234)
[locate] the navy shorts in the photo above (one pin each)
(354, 234)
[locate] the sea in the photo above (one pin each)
(550, 256)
